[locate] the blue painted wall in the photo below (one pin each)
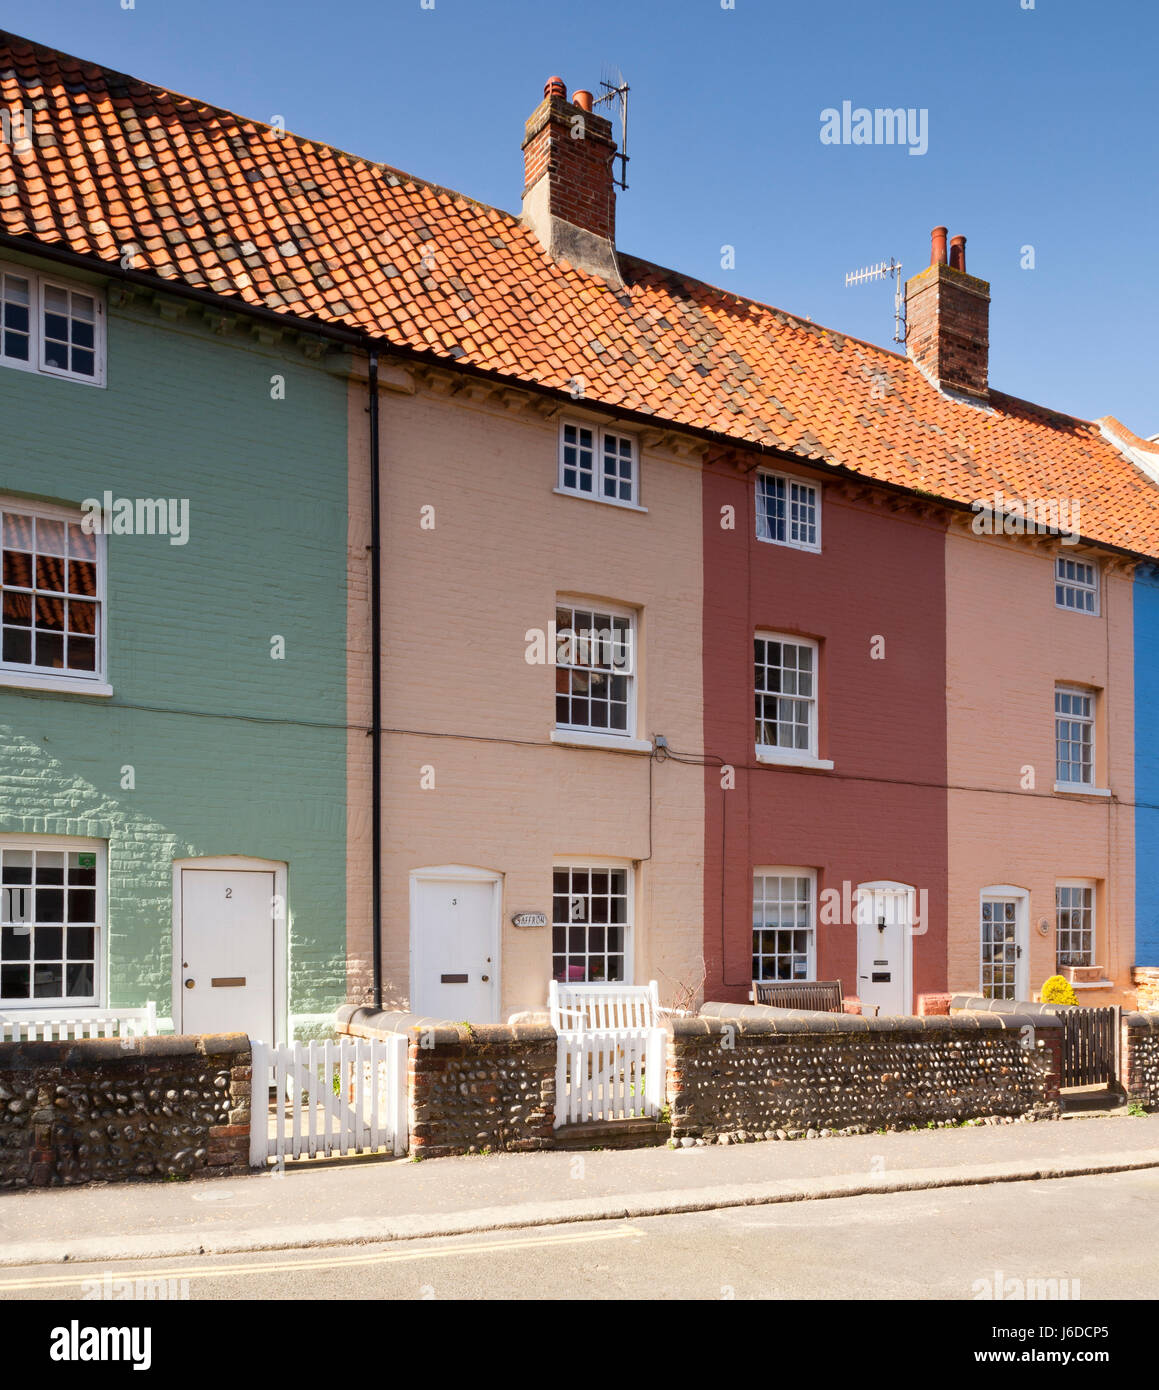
(1147, 767)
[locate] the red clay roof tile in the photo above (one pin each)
(226, 204)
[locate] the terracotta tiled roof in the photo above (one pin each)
(224, 204)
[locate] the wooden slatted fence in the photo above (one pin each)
(1090, 1045)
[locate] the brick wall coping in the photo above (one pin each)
(975, 1003)
(364, 1022)
(763, 1019)
(75, 1054)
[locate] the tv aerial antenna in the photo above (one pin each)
(615, 95)
(881, 271)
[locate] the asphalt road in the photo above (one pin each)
(1102, 1231)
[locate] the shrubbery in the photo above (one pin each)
(1058, 990)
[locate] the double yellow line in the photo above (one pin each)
(128, 1271)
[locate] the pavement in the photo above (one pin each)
(353, 1201)
(963, 1243)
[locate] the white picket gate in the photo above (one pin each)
(83, 1023)
(330, 1098)
(609, 1074)
(611, 1057)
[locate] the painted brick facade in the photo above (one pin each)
(232, 752)
(879, 814)
(462, 702)
(1008, 645)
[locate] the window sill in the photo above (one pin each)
(790, 545)
(603, 501)
(1079, 789)
(577, 738)
(777, 757)
(59, 685)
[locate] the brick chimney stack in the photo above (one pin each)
(947, 316)
(569, 197)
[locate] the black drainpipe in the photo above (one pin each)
(375, 690)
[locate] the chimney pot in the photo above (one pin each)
(569, 191)
(947, 320)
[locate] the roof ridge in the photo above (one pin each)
(275, 222)
(7, 37)
(454, 194)
(802, 320)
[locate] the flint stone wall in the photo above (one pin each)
(1139, 1058)
(485, 1088)
(750, 1072)
(123, 1109)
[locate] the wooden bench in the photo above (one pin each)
(821, 995)
(81, 1023)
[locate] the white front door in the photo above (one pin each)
(228, 946)
(884, 937)
(455, 949)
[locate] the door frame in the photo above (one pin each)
(243, 864)
(890, 885)
(460, 873)
(1005, 892)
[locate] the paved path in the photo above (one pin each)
(946, 1244)
(318, 1204)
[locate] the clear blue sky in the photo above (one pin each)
(1042, 131)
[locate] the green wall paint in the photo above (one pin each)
(232, 752)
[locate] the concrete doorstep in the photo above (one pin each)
(361, 1230)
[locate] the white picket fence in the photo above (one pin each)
(330, 1098)
(611, 1057)
(609, 1074)
(85, 1023)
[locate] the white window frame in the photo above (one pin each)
(599, 864)
(600, 433)
(790, 481)
(1005, 892)
(1093, 888)
(38, 282)
(1077, 586)
(1060, 689)
(789, 871)
(23, 677)
(772, 752)
(68, 844)
(584, 734)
